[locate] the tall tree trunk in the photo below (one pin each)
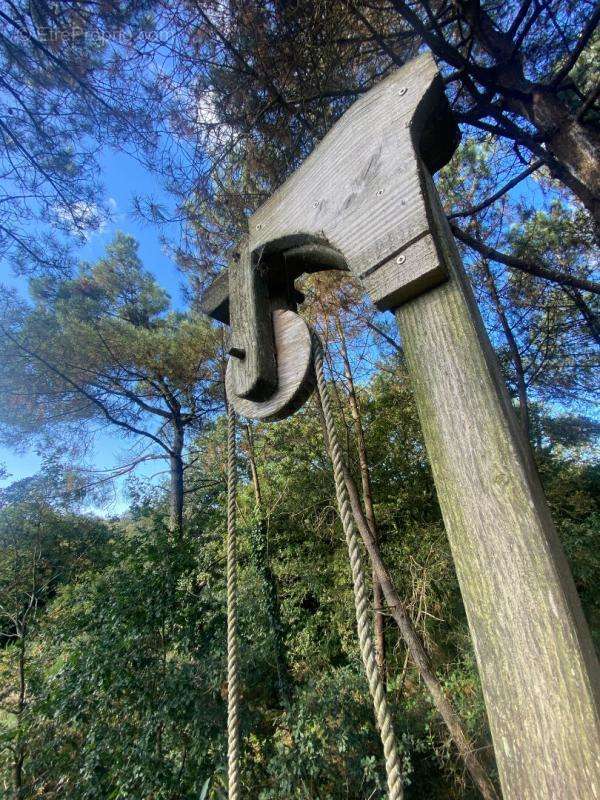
(260, 556)
(515, 355)
(414, 645)
(573, 145)
(367, 495)
(176, 473)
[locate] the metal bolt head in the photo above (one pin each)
(237, 352)
(401, 259)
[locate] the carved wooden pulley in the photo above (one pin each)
(269, 375)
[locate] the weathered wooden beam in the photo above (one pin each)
(215, 300)
(365, 199)
(253, 366)
(363, 177)
(537, 663)
(360, 189)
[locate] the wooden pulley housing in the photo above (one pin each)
(270, 373)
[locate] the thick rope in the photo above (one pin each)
(233, 688)
(363, 622)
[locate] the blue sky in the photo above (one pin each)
(124, 178)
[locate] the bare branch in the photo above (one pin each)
(582, 42)
(469, 212)
(534, 268)
(94, 400)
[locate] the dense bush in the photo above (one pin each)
(125, 658)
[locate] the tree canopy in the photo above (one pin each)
(104, 349)
(113, 628)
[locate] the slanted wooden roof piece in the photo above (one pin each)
(357, 202)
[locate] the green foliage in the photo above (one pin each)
(327, 742)
(126, 665)
(116, 286)
(131, 704)
(41, 550)
(104, 349)
(573, 490)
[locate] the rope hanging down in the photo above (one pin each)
(367, 650)
(233, 687)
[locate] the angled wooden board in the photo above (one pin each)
(360, 192)
(361, 189)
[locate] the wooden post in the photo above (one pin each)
(365, 197)
(536, 659)
(253, 368)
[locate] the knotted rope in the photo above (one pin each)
(363, 622)
(233, 687)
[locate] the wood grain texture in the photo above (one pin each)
(295, 377)
(254, 374)
(309, 256)
(417, 268)
(364, 176)
(537, 663)
(366, 195)
(360, 189)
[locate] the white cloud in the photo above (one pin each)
(206, 109)
(84, 219)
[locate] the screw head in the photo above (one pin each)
(237, 352)
(401, 259)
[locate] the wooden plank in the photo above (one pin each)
(215, 300)
(253, 364)
(413, 270)
(365, 176)
(538, 668)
